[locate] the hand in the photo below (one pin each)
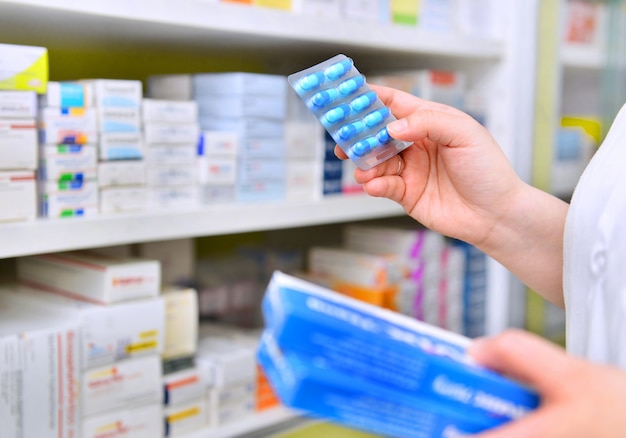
(455, 180)
(579, 399)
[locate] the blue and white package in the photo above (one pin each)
(338, 95)
(389, 349)
(318, 390)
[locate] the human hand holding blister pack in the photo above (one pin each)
(339, 96)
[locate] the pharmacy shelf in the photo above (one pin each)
(581, 56)
(53, 235)
(210, 25)
(247, 424)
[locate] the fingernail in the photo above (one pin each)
(477, 345)
(398, 126)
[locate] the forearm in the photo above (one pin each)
(528, 240)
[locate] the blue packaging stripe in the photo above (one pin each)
(72, 95)
(322, 392)
(360, 339)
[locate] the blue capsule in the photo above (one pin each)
(363, 147)
(310, 82)
(383, 136)
(323, 98)
(350, 130)
(339, 69)
(363, 101)
(376, 117)
(336, 114)
(349, 86)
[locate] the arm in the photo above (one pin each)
(457, 181)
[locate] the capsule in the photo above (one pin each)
(363, 147)
(323, 98)
(383, 136)
(376, 117)
(339, 69)
(336, 114)
(350, 130)
(363, 101)
(310, 82)
(349, 86)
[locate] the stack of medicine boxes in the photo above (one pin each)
(68, 135)
(433, 270)
(474, 289)
(121, 170)
(226, 358)
(39, 371)
(255, 106)
(304, 150)
(18, 155)
(183, 384)
(252, 105)
(217, 166)
(171, 133)
(121, 321)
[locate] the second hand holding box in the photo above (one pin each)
(401, 360)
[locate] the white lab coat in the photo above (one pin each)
(594, 273)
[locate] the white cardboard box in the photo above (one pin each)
(119, 119)
(92, 277)
(137, 422)
(23, 67)
(126, 383)
(177, 133)
(68, 198)
(117, 92)
(39, 372)
(108, 333)
(121, 146)
(186, 418)
(18, 144)
(171, 154)
(68, 95)
(170, 175)
(18, 104)
(223, 143)
(121, 173)
(169, 111)
(173, 197)
(18, 195)
(217, 170)
(67, 161)
(123, 199)
(68, 125)
(183, 386)
(225, 363)
(181, 322)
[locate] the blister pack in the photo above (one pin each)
(352, 113)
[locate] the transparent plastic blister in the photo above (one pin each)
(339, 96)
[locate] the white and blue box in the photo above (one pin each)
(377, 354)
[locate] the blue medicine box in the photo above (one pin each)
(389, 350)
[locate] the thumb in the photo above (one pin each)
(524, 357)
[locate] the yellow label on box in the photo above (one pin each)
(276, 4)
(405, 12)
(184, 414)
(23, 68)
